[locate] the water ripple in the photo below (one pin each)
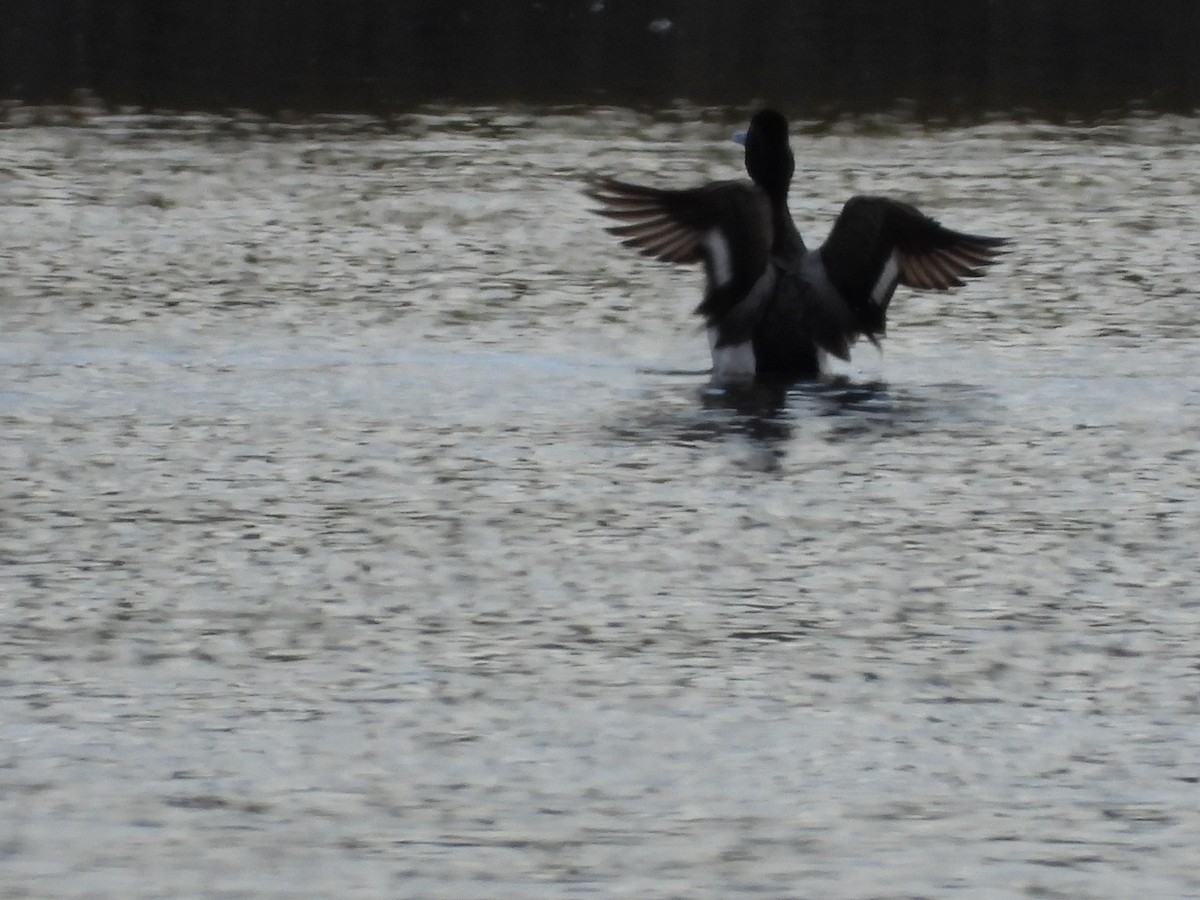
(366, 511)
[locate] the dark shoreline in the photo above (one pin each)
(932, 59)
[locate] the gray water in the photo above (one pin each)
(369, 528)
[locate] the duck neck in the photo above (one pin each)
(788, 244)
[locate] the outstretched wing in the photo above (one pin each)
(726, 225)
(878, 243)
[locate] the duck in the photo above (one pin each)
(774, 309)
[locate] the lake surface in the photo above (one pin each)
(368, 526)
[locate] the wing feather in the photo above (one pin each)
(872, 231)
(930, 256)
(727, 225)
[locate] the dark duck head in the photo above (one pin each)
(769, 160)
(774, 308)
(770, 164)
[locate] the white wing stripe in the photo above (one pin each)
(720, 264)
(887, 280)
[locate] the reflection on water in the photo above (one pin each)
(365, 511)
(764, 415)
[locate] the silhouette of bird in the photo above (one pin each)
(773, 307)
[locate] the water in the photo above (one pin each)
(369, 530)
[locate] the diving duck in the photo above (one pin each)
(773, 307)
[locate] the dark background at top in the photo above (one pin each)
(817, 57)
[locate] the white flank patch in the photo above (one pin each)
(887, 280)
(733, 362)
(719, 260)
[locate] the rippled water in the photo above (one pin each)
(368, 528)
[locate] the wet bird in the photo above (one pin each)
(773, 307)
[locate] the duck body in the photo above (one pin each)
(773, 307)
